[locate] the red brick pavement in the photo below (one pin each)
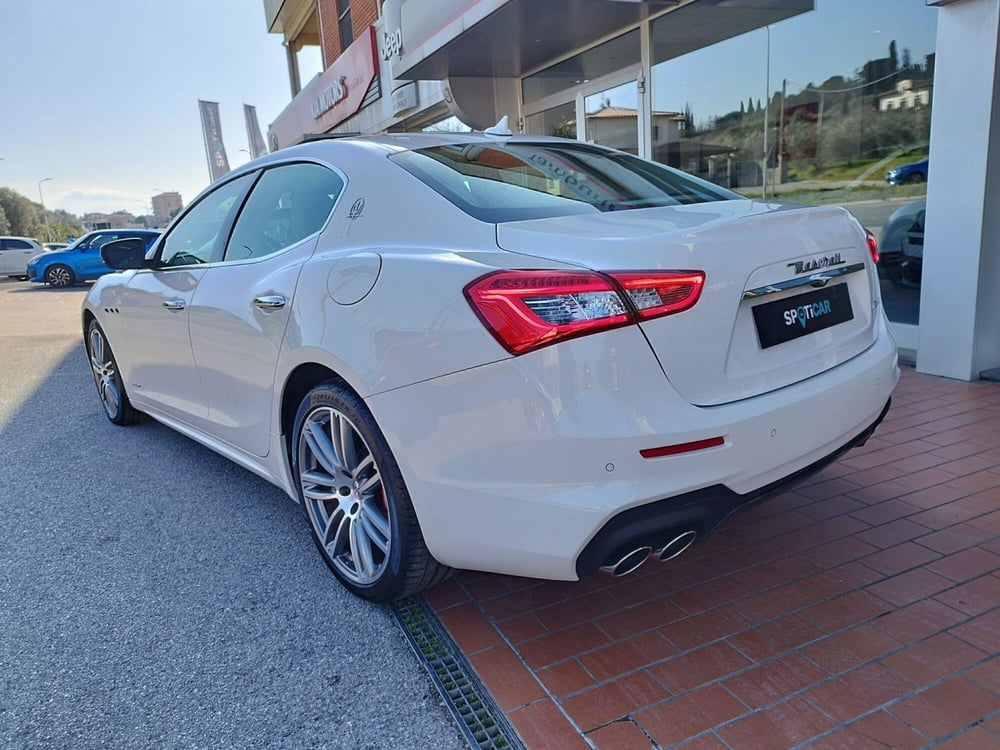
(860, 610)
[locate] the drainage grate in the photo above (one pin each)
(482, 722)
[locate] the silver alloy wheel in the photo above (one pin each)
(103, 367)
(342, 489)
(59, 276)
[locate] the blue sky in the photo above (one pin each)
(102, 95)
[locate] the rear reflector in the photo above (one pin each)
(525, 310)
(673, 450)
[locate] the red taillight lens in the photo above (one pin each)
(872, 246)
(657, 293)
(528, 309)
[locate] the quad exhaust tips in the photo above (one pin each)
(628, 562)
(631, 560)
(677, 545)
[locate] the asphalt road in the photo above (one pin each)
(152, 594)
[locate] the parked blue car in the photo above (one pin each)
(906, 173)
(81, 261)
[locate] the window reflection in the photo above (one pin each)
(613, 118)
(843, 119)
(558, 121)
(610, 57)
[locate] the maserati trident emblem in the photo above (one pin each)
(357, 209)
(815, 264)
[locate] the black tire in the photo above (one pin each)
(59, 276)
(916, 178)
(406, 567)
(107, 377)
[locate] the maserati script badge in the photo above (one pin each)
(815, 264)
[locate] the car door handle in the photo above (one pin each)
(269, 302)
(175, 305)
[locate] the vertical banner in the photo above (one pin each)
(254, 138)
(215, 150)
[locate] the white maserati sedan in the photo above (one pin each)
(515, 354)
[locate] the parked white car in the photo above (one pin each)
(523, 355)
(15, 252)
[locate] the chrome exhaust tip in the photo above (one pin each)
(677, 545)
(628, 563)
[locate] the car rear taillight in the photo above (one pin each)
(528, 309)
(525, 310)
(872, 246)
(661, 293)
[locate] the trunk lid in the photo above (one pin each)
(789, 290)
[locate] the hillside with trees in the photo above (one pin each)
(22, 217)
(830, 131)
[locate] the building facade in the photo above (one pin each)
(116, 220)
(165, 207)
(811, 101)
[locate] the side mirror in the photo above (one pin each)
(122, 255)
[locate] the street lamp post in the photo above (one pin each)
(45, 215)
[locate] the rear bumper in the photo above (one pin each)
(518, 466)
(701, 511)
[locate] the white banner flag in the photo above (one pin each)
(215, 150)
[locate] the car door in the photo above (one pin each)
(14, 256)
(241, 306)
(6, 258)
(88, 262)
(159, 365)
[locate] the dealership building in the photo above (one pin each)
(811, 101)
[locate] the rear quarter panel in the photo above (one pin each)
(414, 323)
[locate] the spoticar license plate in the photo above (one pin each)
(791, 318)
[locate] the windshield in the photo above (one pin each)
(517, 181)
(76, 243)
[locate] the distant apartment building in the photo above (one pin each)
(165, 207)
(117, 220)
(906, 96)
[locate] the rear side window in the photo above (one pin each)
(287, 204)
(16, 245)
(517, 181)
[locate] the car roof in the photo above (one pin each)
(17, 237)
(318, 146)
(328, 145)
(123, 229)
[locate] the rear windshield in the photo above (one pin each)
(517, 181)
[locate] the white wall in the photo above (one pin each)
(960, 292)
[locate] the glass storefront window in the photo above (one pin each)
(613, 118)
(610, 57)
(828, 107)
(558, 121)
